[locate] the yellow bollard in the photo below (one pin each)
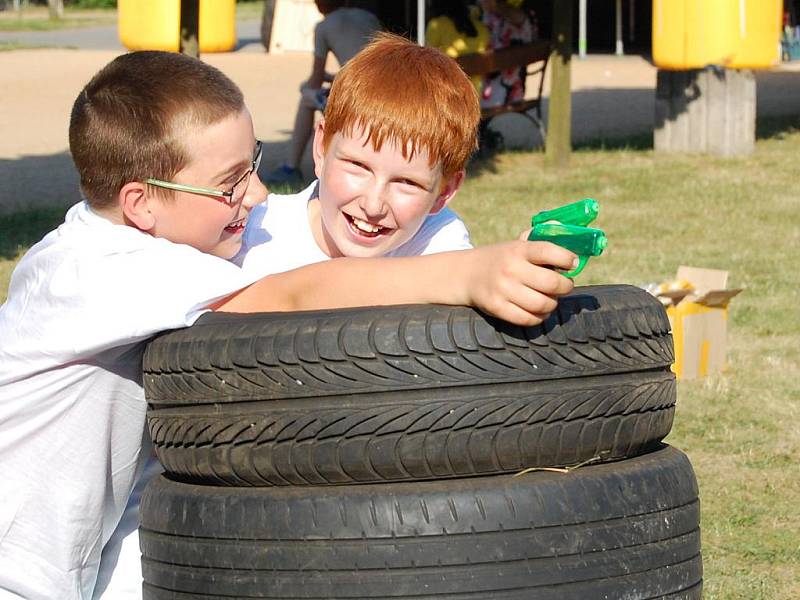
(155, 25)
(692, 34)
(759, 35)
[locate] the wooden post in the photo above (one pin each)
(559, 107)
(711, 110)
(190, 28)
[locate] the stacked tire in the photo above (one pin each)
(420, 452)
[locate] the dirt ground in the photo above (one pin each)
(612, 97)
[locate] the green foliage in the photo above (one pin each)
(90, 4)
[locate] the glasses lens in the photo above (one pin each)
(240, 187)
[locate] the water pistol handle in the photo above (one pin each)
(580, 213)
(583, 241)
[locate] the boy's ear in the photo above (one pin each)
(135, 205)
(450, 188)
(318, 148)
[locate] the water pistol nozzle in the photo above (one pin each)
(570, 231)
(579, 213)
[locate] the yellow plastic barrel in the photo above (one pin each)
(155, 25)
(692, 34)
(760, 35)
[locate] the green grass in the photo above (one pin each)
(36, 18)
(249, 10)
(8, 46)
(740, 429)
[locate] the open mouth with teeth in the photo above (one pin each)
(363, 228)
(236, 226)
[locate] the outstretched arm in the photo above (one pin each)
(511, 281)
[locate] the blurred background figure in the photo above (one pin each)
(509, 24)
(344, 30)
(456, 29)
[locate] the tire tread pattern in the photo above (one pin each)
(596, 330)
(416, 435)
(628, 529)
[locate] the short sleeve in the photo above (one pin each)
(442, 232)
(78, 301)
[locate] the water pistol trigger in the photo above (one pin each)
(582, 260)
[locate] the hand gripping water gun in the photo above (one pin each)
(566, 226)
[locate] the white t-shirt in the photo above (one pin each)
(278, 236)
(72, 412)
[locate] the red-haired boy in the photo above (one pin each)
(400, 125)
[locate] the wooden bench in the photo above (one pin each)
(533, 57)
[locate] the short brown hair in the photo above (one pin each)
(415, 96)
(128, 122)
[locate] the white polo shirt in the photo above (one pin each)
(72, 412)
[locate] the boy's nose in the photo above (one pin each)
(373, 202)
(256, 192)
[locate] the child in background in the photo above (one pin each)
(167, 158)
(390, 155)
(456, 30)
(343, 31)
(509, 25)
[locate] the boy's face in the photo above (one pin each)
(220, 155)
(371, 202)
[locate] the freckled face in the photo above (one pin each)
(220, 154)
(371, 201)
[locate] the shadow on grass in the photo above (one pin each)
(777, 127)
(19, 231)
(766, 128)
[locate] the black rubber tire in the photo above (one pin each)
(592, 384)
(597, 330)
(418, 434)
(619, 530)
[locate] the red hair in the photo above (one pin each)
(417, 97)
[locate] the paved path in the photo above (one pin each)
(613, 97)
(107, 38)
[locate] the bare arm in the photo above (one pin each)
(506, 280)
(318, 74)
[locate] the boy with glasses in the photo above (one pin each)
(167, 158)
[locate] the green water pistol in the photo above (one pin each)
(566, 226)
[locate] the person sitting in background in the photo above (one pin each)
(509, 25)
(456, 31)
(343, 31)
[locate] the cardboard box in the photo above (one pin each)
(699, 319)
